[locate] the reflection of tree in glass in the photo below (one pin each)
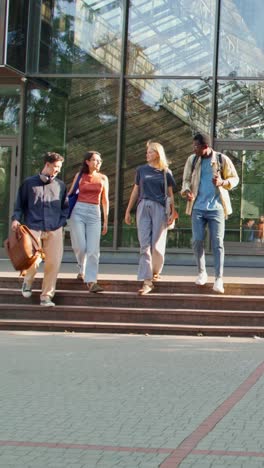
(74, 31)
(45, 120)
(9, 114)
(253, 167)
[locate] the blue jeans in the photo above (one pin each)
(216, 224)
(85, 228)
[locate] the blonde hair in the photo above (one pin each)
(163, 162)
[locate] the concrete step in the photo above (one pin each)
(172, 307)
(132, 315)
(152, 300)
(120, 327)
(161, 287)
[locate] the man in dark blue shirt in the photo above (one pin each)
(42, 205)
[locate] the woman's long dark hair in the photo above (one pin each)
(88, 155)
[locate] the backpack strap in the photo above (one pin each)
(194, 161)
(219, 162)
(76, 185)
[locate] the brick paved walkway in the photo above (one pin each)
(125, 401)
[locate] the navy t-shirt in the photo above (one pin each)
(151, 183)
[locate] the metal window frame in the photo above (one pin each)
(215, 68)
(17, 142)
(121, 123)
(12, 142)
(3, 29)
(256, 145)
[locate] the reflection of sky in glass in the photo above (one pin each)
(89, 11)
(241, 38)
(171, 37)
(35, 93)
(64, 7)
(108, 10)
(97, 31)
(252, 13)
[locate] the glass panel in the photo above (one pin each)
(168, 111)
(72, 116)
(5, 173)
(241, 48)
(233, 222)
(2, 30)
(17, 33)
(81, 36)
(45, 125)
(170, 37)
(240, 110)
(243, 230)
(252, 203)
(9, 110)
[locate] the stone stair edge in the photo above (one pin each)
(86, 309)
(185, 282)
(135, 326)
(165, 295)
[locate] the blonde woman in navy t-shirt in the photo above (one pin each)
(149, 194)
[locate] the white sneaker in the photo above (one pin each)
(219, 286)
(26, 290)
(47, 303)
(201, 279)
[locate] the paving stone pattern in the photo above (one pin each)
(121, 401)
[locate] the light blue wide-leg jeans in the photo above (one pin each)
(85, 229)
(152, 235)
(216, 224)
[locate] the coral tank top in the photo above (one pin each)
(90, 188)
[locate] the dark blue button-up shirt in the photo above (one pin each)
(42, 206)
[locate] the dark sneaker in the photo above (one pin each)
(26, 290)
(95, 288)
(47, 303)
(80, 277)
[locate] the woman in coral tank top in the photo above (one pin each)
(85, 221)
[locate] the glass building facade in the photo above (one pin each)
(110, 74)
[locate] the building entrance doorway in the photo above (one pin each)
(8, 173)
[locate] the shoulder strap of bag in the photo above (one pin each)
(165, 183)
(35, 242)
(219, 162)
(194, 161)
(76, 185)
(167, 208)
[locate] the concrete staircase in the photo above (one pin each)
(173, 308)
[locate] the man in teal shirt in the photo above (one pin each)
(207, 178)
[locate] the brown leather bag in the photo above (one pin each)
(23, 248)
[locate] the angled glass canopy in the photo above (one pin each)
(171, 37)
